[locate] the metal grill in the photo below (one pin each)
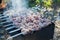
(45, 33)
(9, 27)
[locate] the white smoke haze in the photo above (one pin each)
(19, 4)
(24, 17)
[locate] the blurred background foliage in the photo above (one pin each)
(45, 3)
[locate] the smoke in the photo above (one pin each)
(16, 6)
(23, 17)
(19, 4)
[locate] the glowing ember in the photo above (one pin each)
(2, 5)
